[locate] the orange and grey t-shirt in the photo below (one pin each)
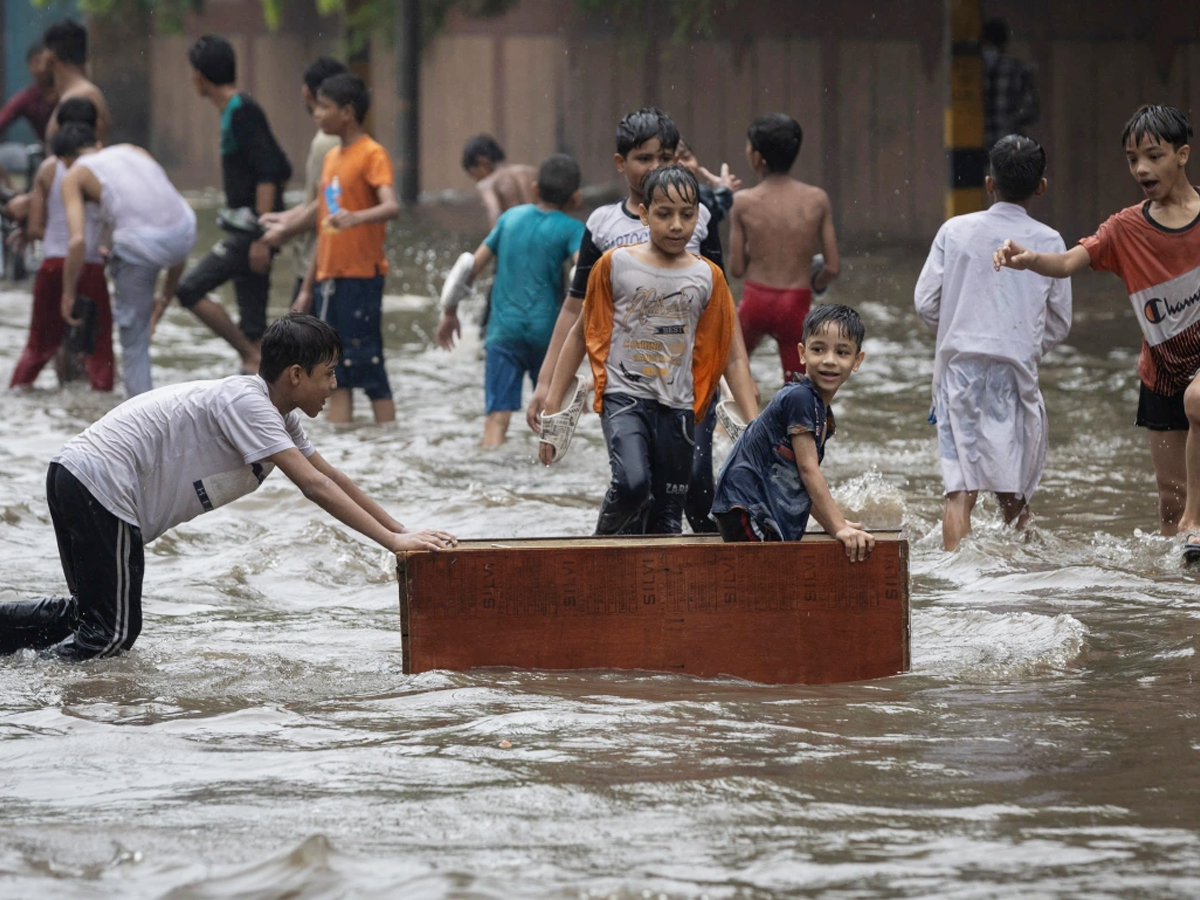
(1161, 270)
(356, 252)
(657, 334)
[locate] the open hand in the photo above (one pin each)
(533, 414)
(343, 219)
(858, 543)
(1012, 255)
(421, 540)
(448, 329)
(68, 310)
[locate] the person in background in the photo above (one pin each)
(1010, 97)
(35, 104)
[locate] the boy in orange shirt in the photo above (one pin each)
(352, 209)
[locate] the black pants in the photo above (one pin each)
(229, 260)
(738, 527)
(103, 560)
(650, 449)
(700, 489)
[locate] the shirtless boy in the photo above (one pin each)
(66, 46)
(775, 229)
(501, 184)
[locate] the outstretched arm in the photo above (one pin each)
(335, 493)
(1053, 265)
(858, 543)
(449, 327)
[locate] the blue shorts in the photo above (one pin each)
(354, 308)
(504, 373)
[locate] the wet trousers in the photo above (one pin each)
(103, 560)
(133, 303)
(698, 504)
(651, 452)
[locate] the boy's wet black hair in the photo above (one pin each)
(1017, 165)
(213, 57)
(347, 90)
(777, 137)
(76, 109)
(297, 339)
(1165, 124)
(68, 41)
(995, 32)
(71, 138)
(480, 145)
(848, 322)
(667, 179)
(558, 179)
(319, 69)
(648, 122)
(34, 49)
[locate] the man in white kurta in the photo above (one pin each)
(993, 328)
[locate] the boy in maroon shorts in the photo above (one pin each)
(776, 228)
(1154, 247)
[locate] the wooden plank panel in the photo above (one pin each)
(591, 108)
(1118, 81)
(710, 129)
(384, 102)
(804, 102)
(856, 151)
(741, 102)
(773, 613)
(1076, 211)
(456, 102)
(533, 75)
(675, 90)
(896, 66)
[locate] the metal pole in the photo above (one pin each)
(966, 156)
(408, 95)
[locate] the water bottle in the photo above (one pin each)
(333, 196)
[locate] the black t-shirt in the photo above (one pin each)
(250, 155)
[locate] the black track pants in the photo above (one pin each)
(103, 560)
(650, 449)
(700, 490)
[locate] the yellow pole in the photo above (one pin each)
(965, 155)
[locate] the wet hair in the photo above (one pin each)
(68, 41)
(1165, 124)
(34, 49)
(647, 123)
(666, 179)
(558, 179)
(76, 109)
(319, 69)
(848, 323)
(213, 57)
(996, 33)
(777, 137)
(297, 339)
(347, 90)
(72, 138)
(1017, 164)
(480, 145)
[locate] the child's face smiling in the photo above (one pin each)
(1155, 166)
(672, 219)
(829, 357)
(641, 161)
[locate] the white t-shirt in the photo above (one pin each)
(166, 456)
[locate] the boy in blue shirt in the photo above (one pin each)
(530, 244)
(772, 480)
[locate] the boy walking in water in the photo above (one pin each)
(772, 480)
(657, 326)
(775, 229)
(992, 331)
(254, 170)
(353, 206)
(1154, 247)
(166, 457)
(66, 56)
(530, 244)
(501, 184)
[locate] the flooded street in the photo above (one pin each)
(262, 742)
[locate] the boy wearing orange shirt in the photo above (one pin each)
(353, 206)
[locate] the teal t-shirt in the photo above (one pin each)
(531, 246)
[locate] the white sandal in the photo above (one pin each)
(454, 291)
(558, 428)
(731, 419)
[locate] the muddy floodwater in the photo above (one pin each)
(262, 742)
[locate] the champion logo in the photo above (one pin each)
(1159, 308)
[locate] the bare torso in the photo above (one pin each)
(776, 228)
(508, 186)
(81, 87)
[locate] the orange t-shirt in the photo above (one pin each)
(354, 252)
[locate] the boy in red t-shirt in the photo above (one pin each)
(1154, 247)
(355, 201)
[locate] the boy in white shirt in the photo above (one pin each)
(165, 457)
(992, 331)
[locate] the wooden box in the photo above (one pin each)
(778, 613)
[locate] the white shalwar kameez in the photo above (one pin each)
(993, 328)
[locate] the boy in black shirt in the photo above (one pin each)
(254, 170)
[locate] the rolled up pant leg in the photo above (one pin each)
(133, 302)
(628, 433)
(103, 560)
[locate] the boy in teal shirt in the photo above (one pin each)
(530, 244)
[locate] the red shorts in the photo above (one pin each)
(778, 313)
(47, 327)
